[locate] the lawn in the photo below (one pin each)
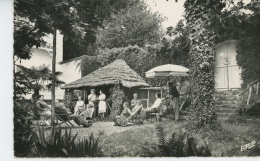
(134, 140)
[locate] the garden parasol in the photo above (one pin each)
(168, 70)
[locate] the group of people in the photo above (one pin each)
(97, 102)
(44, 110)
(159, 108)
(132, 110)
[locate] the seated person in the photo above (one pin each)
(153, 108)
(63, 113)
(43, 109)
(134, 101)
(79, 106)
(136, 109)
(121, 120)
(61, 104)
(163, 108)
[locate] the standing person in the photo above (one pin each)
(174, 98)
(92, 100)
(102, 105)
(134, 101)
(79, 106)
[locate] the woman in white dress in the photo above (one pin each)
(79, 106)
(102, 105)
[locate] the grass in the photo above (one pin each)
(132, 143)
(137, 140)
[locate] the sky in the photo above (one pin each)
(173, 11)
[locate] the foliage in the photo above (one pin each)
(23, 135)
(22, 85)
(178, 46)
(139, 59)
(93, 13)
(142, 59)
(64, 145)
(234, 119)
(201, 17)
(254, 110)
(248, 49)
(25, 38)
(34, 78)
(180, 145)
(135, 25)
(88, 64)
(69, 98)
(117, 97)
(255, 151)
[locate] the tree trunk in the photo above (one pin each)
(53, 82)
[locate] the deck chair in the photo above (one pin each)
(62, 115)
(88, 115)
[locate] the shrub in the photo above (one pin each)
(23, 135)
(255, 151)
(254, 110)
(235, 119)
(65, 145)
(179, 145)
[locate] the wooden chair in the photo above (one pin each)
(154, 115)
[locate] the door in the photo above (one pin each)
(227, 72)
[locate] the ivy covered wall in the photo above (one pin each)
(139, 59)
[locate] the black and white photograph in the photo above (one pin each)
(135, 78)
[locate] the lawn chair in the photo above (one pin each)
(62, 115)
(88, 115)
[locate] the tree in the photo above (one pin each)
(248, 49)
(37, 78)
(177, 47)
(135, 25)
(93, 13)
(201, 17)
(48, 16)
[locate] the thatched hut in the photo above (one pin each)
(115, 73)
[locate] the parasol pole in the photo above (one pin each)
(84, 97)
(161, 91)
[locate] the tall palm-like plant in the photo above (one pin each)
(40, 77)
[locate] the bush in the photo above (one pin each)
(65, 145)
(179, 145)
(254, 110)
(235, 119)
(23, 135)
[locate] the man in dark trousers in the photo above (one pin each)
(174, 97)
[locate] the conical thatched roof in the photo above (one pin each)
(110, 74)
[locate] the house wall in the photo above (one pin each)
(227, 72)
(70, 70)
(43, 55)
